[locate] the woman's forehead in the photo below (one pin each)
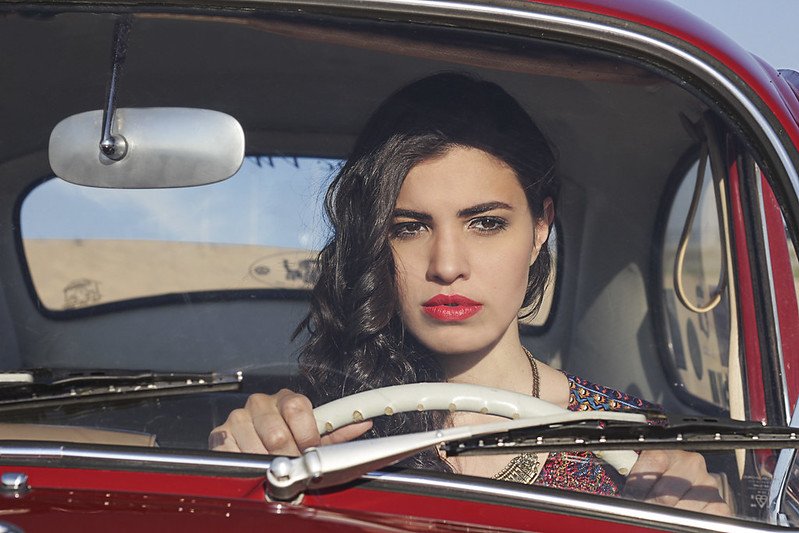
(460, 176)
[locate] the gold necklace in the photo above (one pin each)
(524, 467)
(536, 376)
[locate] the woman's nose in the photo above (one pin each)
(448, 259)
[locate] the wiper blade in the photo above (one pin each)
(661, 432)
(39, 387)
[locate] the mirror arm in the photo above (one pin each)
(114, 147)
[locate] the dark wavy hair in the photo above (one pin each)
(356, 339)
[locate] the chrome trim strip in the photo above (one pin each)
(782, 473)
(60, 451)
(623, 510)
(432, 5)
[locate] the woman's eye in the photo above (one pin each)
(488, 224)
(406, 230)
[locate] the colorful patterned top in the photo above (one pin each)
(583, 471)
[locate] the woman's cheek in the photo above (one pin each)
(510, 276)
(406, 288)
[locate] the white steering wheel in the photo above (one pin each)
(447, 396)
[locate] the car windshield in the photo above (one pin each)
(145, 316)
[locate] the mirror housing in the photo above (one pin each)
(165, 147)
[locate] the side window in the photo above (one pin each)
(695, 311)
(260, 229)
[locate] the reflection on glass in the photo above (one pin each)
(698, 341)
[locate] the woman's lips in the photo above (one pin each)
(451, 307)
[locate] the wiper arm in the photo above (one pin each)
(662, 432)
(605, 433)
(332, 465)
(40, 387)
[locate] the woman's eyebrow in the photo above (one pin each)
(482, 208)
(416, 215)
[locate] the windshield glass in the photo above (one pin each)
(417, 204)
(260, 229)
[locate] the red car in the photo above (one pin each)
(144, 296)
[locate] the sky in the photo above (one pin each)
(272, 202)
(768, 28)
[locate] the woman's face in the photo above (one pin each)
(463, 239)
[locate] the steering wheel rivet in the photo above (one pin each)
(389, 411)
(357, 416)
(420, 407)
(515, 416)
(484, 410)
(453, 408)
(328, 427)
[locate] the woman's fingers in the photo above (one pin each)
(347, 433)
(221, 441)
(661, 477)
(279, 424)
(704, 498)
(266, 424)
(283, 422)
(677, 479)
(237, 434)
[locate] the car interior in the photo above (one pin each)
(630, 140)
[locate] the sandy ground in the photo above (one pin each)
(77, 273)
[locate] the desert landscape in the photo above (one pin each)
(68, 274)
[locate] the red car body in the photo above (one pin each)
(72, 487)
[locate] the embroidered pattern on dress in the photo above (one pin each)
(583, 471)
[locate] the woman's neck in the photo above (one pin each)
(505, 365)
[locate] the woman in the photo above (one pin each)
(440, 220)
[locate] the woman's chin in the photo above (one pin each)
(453, 345)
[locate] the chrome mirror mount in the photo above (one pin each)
(115, 147)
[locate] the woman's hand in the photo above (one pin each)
(677, 479)
(279, 424)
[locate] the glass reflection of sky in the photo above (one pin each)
(273, 201)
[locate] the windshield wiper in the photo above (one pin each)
(40, 387)
(661, 432)
(596, 431)
(336, 464)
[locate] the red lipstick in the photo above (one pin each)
(451, 307)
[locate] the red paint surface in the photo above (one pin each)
(479, 513)
(67, 499)
(784, 291)
(145, 482)
(746, 303)
(64, 511)
(788, 93)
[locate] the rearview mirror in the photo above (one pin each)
(166, 147)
